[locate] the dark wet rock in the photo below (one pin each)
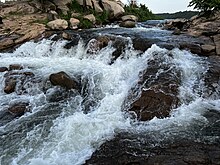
(10, 85)
(192, 47)
(74, 40)
(127, 149)
(208, 49)
(153, 104)
(212, 77)
(64, 80)
(95, 45)
(119, 44)
(159, 91)
(143, 44)
(3, 69)
(17, 80)
(15, 67)
(18, 109)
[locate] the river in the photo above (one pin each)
(68, 131)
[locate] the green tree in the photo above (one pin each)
(205, 5)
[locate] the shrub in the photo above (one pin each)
(142, 12)
(205, 5)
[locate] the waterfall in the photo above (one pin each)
(68, 131)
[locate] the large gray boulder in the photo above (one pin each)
(58, 24)
(113, 8)
(129, 21)
(74, 23)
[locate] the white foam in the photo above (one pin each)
(75, 135)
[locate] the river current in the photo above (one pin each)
(67, 132)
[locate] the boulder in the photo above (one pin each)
(3, 69)
(113, 8)
(58, 24)
(74, 23)
(97, 44)
(128, 21)
(179, 23)
(207, 49)
(192, 47)
(15, 67)
(152, 103)
(15, 81)
(10, 85)
(64, 80)
(18, 109)
(103, 41)
(129, 17)
(159, 94)
(90, 17)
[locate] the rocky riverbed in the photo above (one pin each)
(109, 95)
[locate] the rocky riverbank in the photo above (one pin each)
(204, 26)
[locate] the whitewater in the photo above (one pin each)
(68, 132)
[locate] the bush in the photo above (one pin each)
(205, 5)
(142, 12)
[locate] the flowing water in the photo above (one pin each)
(67, 132)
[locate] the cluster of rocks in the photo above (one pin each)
(204, 26)
(17, 80)
(23, 21)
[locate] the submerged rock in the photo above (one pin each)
(17, 80)
(18, 109)
(15, 67)
(64, 80)
(10, 85)
(3, 69)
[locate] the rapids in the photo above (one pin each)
(67, 132)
